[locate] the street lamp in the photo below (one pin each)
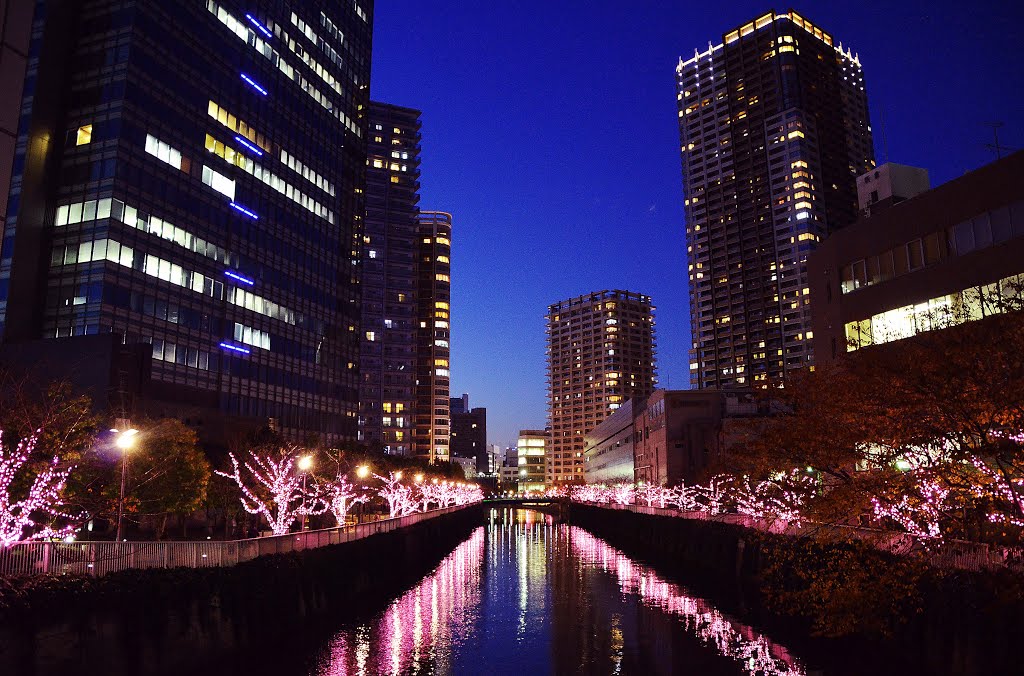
(419, 478)
(362, 471)
(125, 441)
(305, 464)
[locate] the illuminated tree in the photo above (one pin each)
(340, 496)
(31, 516)
(398, 495)
(272, 487)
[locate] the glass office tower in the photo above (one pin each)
(188, 179)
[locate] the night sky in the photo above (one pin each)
(550, 133)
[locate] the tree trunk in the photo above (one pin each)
(162, 528)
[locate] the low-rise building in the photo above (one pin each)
(672, 436)
(941, 257)
(608, 448)
(532, 451)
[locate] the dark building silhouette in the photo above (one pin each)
(774, 129)
(189, 176)
(387, 391)
(469, 433)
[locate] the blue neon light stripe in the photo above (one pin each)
(263, 29)
(243, 280)
(245, 211)
(248, 145)
(235, 348)
(253, 84)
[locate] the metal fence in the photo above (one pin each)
(951, 554)
(100, 558)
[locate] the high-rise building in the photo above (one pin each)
(188, 177)
(432, 424)
(774, 130)
(600, 354)
(532, 449)
(387, 392)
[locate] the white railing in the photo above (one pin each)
(958, 554)
(100, 558)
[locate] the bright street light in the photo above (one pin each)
(125, 441)
(362, 471)
(305, 462)
(419, 478)
(398, 475)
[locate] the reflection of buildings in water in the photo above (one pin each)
(518, 541)
(418, 628)
(754, 652)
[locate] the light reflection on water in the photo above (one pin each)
(525, 595)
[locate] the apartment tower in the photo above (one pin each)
(773, 123)
(433, 377)
(187, 189)
(387, 391)
(600, 355)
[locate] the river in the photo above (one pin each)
(526, 595)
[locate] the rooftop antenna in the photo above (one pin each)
(995, 136)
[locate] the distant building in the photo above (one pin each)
(600, 355)
(495, 456)
(468, 466)
(433, 375)
(941, 257)
(774, 130)
(608, 448)
(469, 433)
(508, 476)
(532, 448)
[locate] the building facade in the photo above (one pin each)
(945, 256)
(387, 362)
(532, 447)
(433, 351)
(189, 177)
(608, 449)
(774, 129)
(601, 353)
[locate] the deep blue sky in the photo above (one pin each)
(549, 131)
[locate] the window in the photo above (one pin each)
(84, 135)
(161, 151)
(219, 182)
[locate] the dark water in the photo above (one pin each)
(525, 595)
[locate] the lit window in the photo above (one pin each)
(84, 135)
(442, 278)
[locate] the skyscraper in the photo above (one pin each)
(600, 354)
(433, 377)
(188, 179)
(774, 130)
(387, 392)
(469, 433)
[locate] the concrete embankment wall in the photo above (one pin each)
(951, 622)
(192, 620)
